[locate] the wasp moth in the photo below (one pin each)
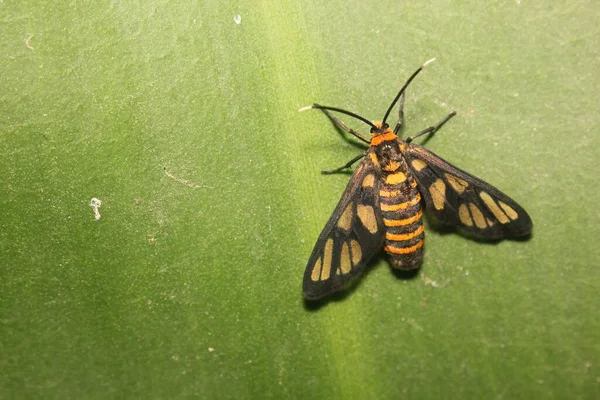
(382, 206)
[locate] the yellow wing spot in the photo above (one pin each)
(418, 164)
(345, 259)
(327, 255)
(394, 179)
(401, 206)
(359, 168)
(457, 184)
(316, 271)
(403, 222)
(477, 216)
(345, 221)
(385, 193)
(489, 222)
(463, 214)
(368, 181)
(392, 166)
(438, 193)
(405, 250)
(366, 214)
(405, 236)
(493, 207)
(374, 159)
(356, 252)
(512, 214)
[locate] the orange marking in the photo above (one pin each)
(512, 214)
(356, 251)
(405, 250)
(418, 164)
(385, 193)
(374, 159)
(368, 181)
(377, 139)
(392, 166)
(401, 206)
(345, 221)
(405, 236)
(403, 222)
(366, 214)
(396, 178)
(327, 255)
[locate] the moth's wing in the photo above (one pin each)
(351, 237)
(459, 199)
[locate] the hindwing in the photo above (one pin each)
(457, 198)
(351, 237)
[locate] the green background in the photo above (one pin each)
(190, 282)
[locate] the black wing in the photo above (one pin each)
(457, 198)
(352, 236)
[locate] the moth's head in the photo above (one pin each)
(379, 128)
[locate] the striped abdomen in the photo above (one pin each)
(400, 203)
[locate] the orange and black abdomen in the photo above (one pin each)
(400, 203)
(403, 220)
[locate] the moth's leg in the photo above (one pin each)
(347, 165)
(340, 124)
(431, 129)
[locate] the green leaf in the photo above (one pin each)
(181, 118)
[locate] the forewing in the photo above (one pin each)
(351, 237)
(457, 198)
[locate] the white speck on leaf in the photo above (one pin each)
(28, 42)
(95, 204)
(237, 18)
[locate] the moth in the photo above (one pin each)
(382, 206)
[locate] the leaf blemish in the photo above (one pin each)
(95, 204)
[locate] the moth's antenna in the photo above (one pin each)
(320, 107)
(387, 114)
